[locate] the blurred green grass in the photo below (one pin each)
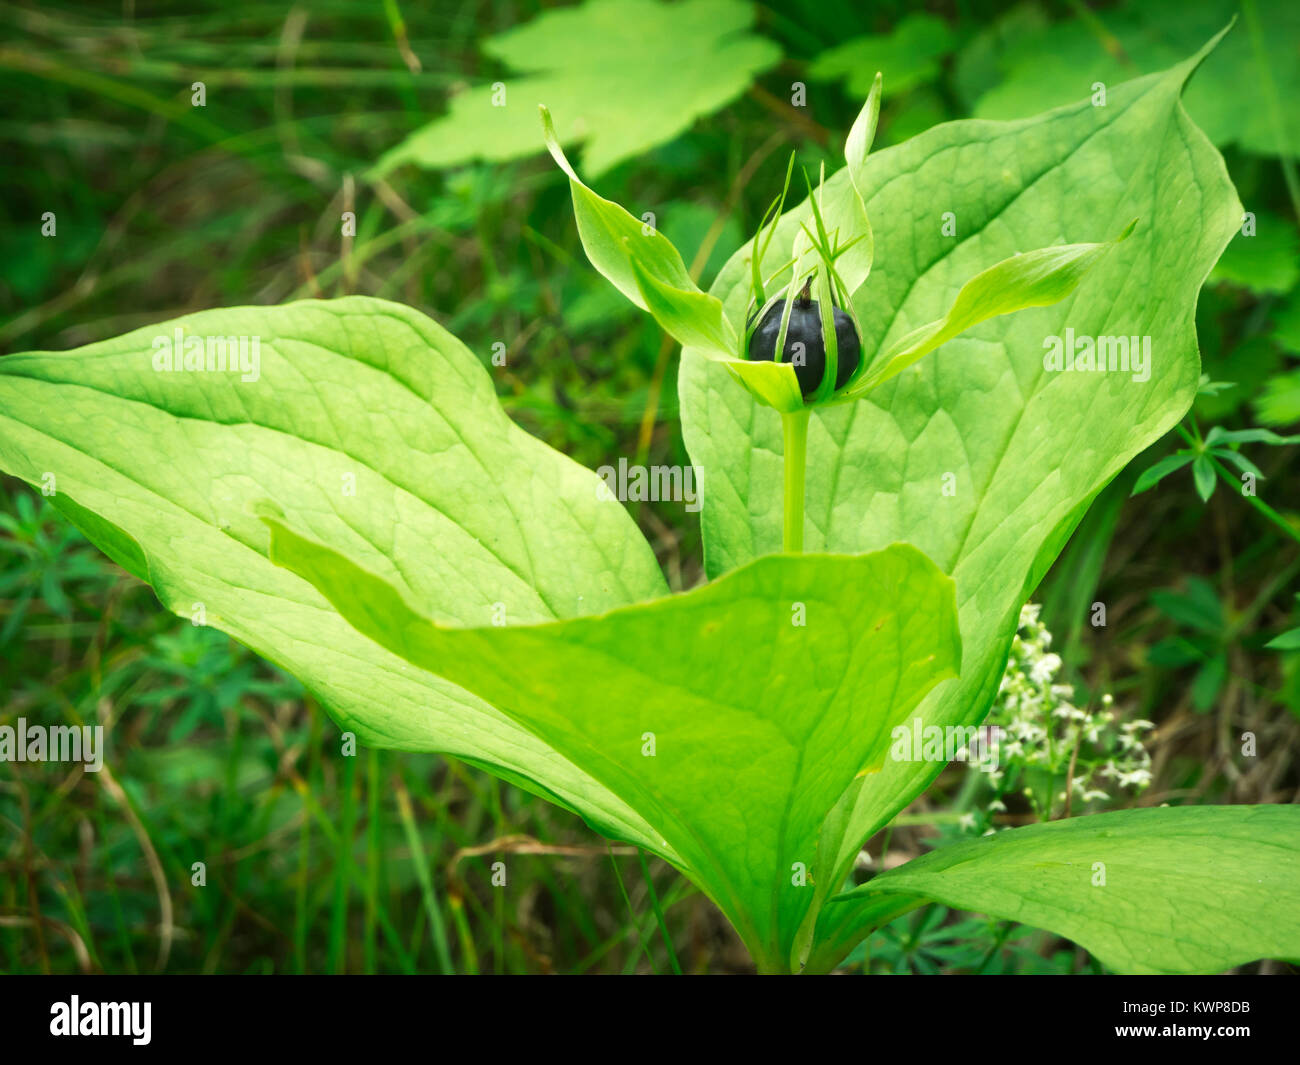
(384, 862)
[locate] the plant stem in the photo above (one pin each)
(795, 430)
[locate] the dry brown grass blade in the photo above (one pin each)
(166, 925)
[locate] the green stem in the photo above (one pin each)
(659, 913)
(795, 429)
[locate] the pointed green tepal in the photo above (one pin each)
(644, 265)
(832, 242)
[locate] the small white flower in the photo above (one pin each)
(1045, 668)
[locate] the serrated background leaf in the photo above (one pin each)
(620, 77)
(1267, 261)
(910, 54)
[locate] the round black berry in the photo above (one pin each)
(806, 328)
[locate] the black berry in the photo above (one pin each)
(806, 328)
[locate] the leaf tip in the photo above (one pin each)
(553, 143)
(1189, 66)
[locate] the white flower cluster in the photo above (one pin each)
(1043, 732)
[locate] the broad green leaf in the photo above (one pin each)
(1189, 889)
(909, 54)
(371, 426)
(1236, 99)
(764, 693)
(977, 454)
(620, 76)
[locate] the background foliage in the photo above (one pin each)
(382, 862)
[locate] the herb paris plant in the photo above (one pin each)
(832, 247)
(364, 511)
(1022, 450)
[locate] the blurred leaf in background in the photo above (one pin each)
(1203, 641)
(620, 76)
(1239, 96)
(1265, 261)
(910, 54)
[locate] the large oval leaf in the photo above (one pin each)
(1181, 890)
(621, 76)
(730, 717)
(369, 425)
(977, 454)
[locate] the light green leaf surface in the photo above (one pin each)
(1021, 451)
(1186, 889)
(758, 722)
(452, 502)
(620, 76)
(689, 317)
(862, 134)
(771, 383)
